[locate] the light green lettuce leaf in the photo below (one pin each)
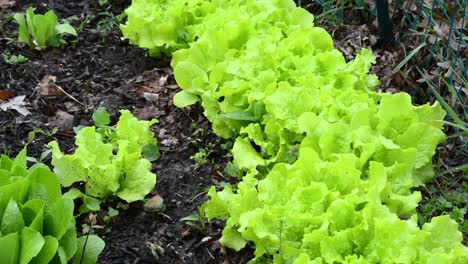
(137, 180)
(9, 248)
(12, 221)
(89, 248)
(31, 244)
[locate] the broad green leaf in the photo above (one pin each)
(443, 233)
(68, 168)
(43, 25)
(101, 117)
(23, 27)
(69, 243)
(90, 204)
(31, 244)
(19, 165)
(61, 256)
(233, 239)
(138, 180)
(184, 98)
(73, 194)
(245, 155)
(136, 132)
(65, 28)
(190, 77)
(16, 191)
(217, 206)
(20, 160)
(58, 218)
(240, 115)
(9, 248)
(88, 250)
(4, 177)
(151, 152)
(48, 251)
(30, 21)
(12, 221)
(33, 214)
(44, 184)
(5, 162)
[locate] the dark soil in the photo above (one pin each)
(98, 69)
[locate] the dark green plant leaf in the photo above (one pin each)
(151, 152)
(240, 115)
(101, 117)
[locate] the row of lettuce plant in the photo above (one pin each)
(37, 222)
(330, 164)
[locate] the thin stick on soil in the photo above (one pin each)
(69, 95)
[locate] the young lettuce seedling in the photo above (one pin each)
(111, 161)
(42, 31)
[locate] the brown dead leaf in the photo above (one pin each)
(72, 107)
(148, 112)
(6, 4)
(465, 90)
(7, 94)
(48, 87)
(163, 80)
(64, 120)
(149, 93)
(141, 89)
(155, 204)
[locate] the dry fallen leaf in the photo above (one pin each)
(148, 112)
(63, 120)
(6, 3)
(163, 80)
(155, 204)
(149, 93)
(7, 94)
(48, 87)
(17, 103)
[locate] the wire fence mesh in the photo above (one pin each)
(435, 28)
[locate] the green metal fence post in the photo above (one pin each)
(385, 24)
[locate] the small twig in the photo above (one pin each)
(209, 253)
(69, 95)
